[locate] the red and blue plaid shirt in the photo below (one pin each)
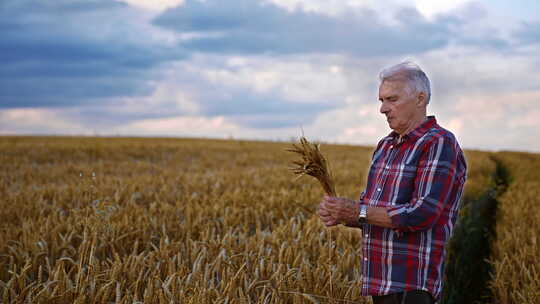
(419, 179)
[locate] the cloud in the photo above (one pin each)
(335, 7)
(38, 121)
(216, 86)
(64, 53)
(183, 126)
(154, 5)
(241, 89)
(432, 8)
(253, 27)
(509, 120)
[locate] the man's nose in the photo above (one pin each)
(384, 108)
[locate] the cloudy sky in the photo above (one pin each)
(266, 69)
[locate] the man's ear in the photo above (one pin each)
(421, 99)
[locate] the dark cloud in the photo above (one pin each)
(67, 91)
(248, 27)
(65, 53)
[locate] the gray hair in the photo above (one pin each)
(417, 80)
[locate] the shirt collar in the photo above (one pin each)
(417, 132)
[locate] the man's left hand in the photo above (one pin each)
(342, 210)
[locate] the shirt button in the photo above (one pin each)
(365, 259)
(378, 189)
(387, 167)
(391, 146)
(366, 235)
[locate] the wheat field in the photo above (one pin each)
(135, 220)
(516, 276)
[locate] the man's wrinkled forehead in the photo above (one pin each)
(393, 83)
(401, 76)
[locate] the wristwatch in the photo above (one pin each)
(362, 216)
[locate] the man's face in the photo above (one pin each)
(399, 107)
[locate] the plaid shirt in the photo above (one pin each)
(420, 181)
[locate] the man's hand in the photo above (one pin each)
(325, 215)
(338, 210)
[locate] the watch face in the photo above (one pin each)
(362, 217)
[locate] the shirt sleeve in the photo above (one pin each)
(435, 176)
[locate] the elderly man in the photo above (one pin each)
(412, 197)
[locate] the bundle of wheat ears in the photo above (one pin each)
(313, 163)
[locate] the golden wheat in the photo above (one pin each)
(130, 220)
(516, 273)
(313, 163)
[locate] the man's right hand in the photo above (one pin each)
(325, 216)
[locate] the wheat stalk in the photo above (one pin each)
(313, 163)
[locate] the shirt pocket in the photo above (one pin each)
(402, 183)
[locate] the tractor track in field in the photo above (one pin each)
(468, 270)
